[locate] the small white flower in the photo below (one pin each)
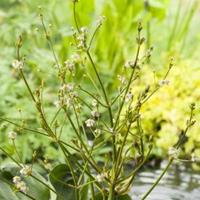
(94, 103)
(26, 170)
(129, 97)
(90, 123)
(163, 82)
(100, 177)
(81, 38)
(95, 114)
(173, 152)
(111, 130)
(19, 184)
(100, 20)
(17, 64)
(16, 179)
(70, 65)
(84, 29)
(76, 58)
(129, 64)
(68, 101)
(70, 87)
(98, 131)
(90, 143)
(57, 104)
(81, 45)
(12, 135)
(22, 187)
(122, 79)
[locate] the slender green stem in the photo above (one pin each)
(49, 41)
(21, 166)
(91, 160)
(39, 132)
(23, 193)
(121, 148)
(75, 16)
(102, 87)
(92, 96)
(158, 180)
(107, 103)
(93, 36)
(128, 85)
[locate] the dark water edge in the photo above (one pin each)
(180, 183)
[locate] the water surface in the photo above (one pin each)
(180, 183)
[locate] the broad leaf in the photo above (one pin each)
(36, 189)
(61, 179)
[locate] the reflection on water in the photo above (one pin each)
(180, 183)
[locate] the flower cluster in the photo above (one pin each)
(129, 64)
(94, 114)
(19, 184)
(100, 177)
(129, 97)
(26, 170)
(12, 135)
(67, 95)
(71, 63)
(122, 79)
(90, 123)
(173, 152)
(163, 82)
(100, 20)
(16, 64)
(81, 39)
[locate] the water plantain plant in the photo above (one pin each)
(106, 144)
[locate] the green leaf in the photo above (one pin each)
(6, 192)
(61, 178)
(36, 189)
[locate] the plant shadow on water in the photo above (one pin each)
(180, 183)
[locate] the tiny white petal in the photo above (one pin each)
(16, 179)
(100, 177)
(90, 123)
(26, 170)
(95, 114)
(163, 82)
(12, 135)
(17, 64)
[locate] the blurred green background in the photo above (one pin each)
(171, 27)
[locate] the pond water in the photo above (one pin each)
(180, 183)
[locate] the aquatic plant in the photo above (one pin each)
(106, 133)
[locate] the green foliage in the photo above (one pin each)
(96, 142)
(61, 179)
(21, 17)
(8, 191)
